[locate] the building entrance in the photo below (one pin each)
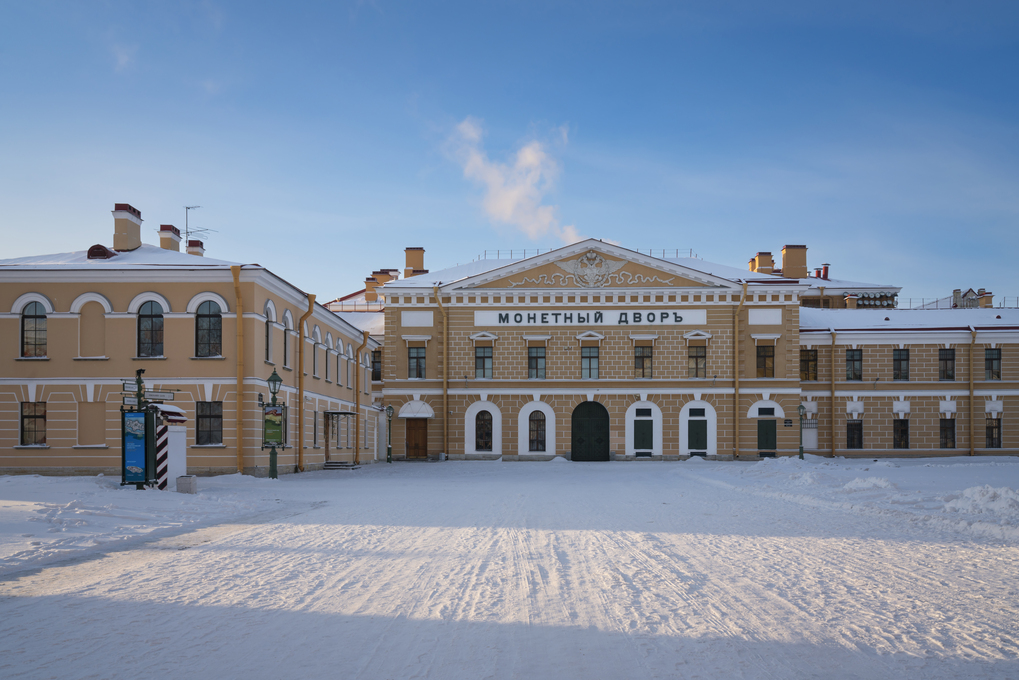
(590, 432)
(417, 437)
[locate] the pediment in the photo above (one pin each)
(594, 265)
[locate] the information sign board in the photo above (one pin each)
(272, 430)
(130, 401)
(134, 447)
(165, 396)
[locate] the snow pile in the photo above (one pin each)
(949, 493)
(979, 500)
(43, 519)
(868, 483)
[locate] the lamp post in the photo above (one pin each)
(389, 434)
(275, 382)
(801, 410)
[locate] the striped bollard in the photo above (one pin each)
(162, 454)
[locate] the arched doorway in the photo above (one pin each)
(590, 437)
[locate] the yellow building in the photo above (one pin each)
(597, 352)
(77, 324)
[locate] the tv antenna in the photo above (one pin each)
(199, 232)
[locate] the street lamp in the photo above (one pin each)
(274, 382)
(802, 409)
(389, 433)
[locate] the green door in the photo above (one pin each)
(590, 432)
(697, 433)
(643, 435)
(766, 440)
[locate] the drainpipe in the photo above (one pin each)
(357, 399)
(236, 271)
(300, 382)
(972, 348)
(735, 373)
(445, 372)
(833, 336)
(821, 298)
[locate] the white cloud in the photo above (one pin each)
(513, 191)
(124, 56)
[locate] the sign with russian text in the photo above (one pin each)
(632, 316)
(134, 447)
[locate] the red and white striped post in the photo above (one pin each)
(162, 454)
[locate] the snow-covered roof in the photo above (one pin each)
(143, 257)
(452, 274)
(734, 274)
(373, 322)
(907, 319)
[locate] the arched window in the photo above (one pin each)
(33, 330)
(483, 431)
(268, 340)
(536, 440)
(208, 330)
(150, 330)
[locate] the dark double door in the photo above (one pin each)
(590, 432)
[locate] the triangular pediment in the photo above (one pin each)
(593, 265)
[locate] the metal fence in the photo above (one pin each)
(947, 303)
(517, 254)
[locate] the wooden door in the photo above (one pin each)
(417, 437)
(590, 432)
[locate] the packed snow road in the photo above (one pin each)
(826, 569)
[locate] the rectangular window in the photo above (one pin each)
(946, 364)
(854, 434)
(854, 364)
(314, 428)
(992, 364)
(643, 362)
(209, 429)
(314, 360)
(415, 363)
(900, 364)
(325, 356)
(947, 433)
(808, 364)
(589, 363)
(483, 362)
(766, 361)
(697, 362)
(33, 423)
(900, 433)
(286, 348)
(536, 362)
(994, 433)
(376, 365)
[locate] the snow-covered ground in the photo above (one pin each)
(824, 568)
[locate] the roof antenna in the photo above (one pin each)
(188, 231)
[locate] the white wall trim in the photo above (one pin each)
(23, 300)
(656, 425)
(204, 296)
(524, 432)
(85, 298)
(148, 296)
(684, 428)
(469, 427)
(766, 403)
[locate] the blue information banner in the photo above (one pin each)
(134, 447)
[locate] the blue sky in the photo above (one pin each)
(320, 139)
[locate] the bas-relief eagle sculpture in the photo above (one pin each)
(591, 270)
